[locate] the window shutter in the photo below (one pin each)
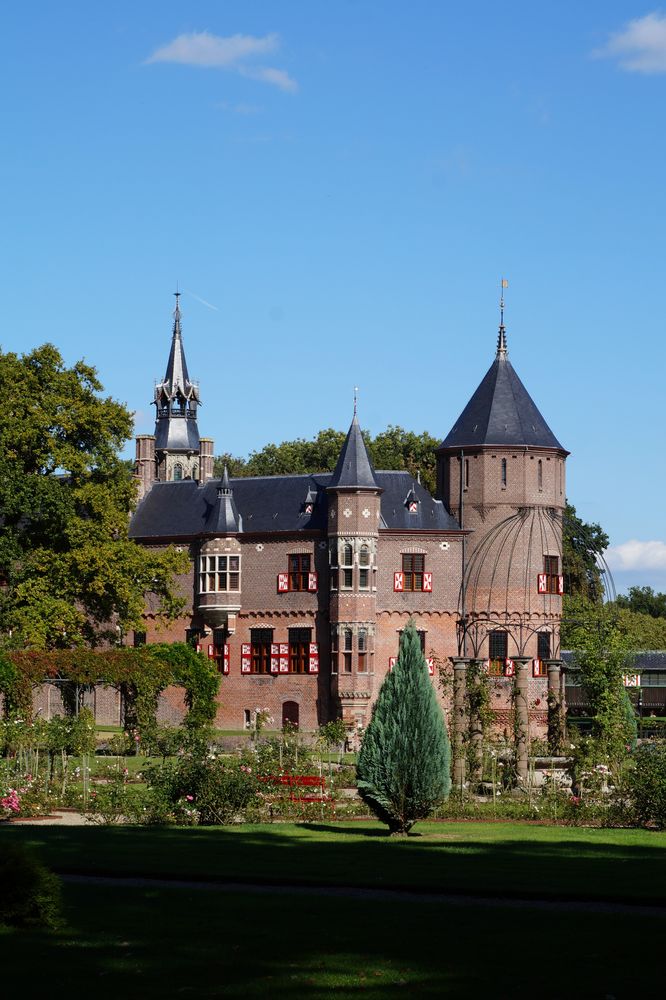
(312, 582)
(536, 668)
(430, 660)
(542, 583)
(314, 658)
(246, 658)
(284, 658)
(275, 658)
(427, 582)
(560, 584)
(211, 651)
(509, 668)
(485, 666)
(392, 662)
(283, 582)
(199, 647)
(398, 582)
(225, 660)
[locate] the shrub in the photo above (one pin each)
(202, 789)
(30, 895)
(646, 785)
(403, 768)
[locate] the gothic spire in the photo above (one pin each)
(176, 398)
(501, 336)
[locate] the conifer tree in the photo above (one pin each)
(404, 765)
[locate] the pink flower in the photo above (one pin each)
(190, 798)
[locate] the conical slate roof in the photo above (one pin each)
(354, 469)
(223, 517)
(176, 376)
(501, 412)
(176, 399)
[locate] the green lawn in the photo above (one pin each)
(495, 858)
(162, 942)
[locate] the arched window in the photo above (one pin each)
(195, 472)
(540, 474)
(503, 473)
(347, 654)
(177, 472)
(466, 473)
(362, 646)
(346, 566)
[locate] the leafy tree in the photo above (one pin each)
(582, 544)
(403, 767)
(644, 601)
(69, 572)
(394, 448)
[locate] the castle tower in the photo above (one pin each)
(353, 532)
(175, 451)
(501, 473)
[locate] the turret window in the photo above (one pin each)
(347, 567)
(347, 655)
(177, 472)
(498, 647)
(219, 574)
(540, 474)
(503, 472)
(364, 568)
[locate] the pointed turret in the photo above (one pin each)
(501, 411)
(176, 400)
(223, 518)
(354, 469)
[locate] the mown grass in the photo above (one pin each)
(504, 859)
(157, 942)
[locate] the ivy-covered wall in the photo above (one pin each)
(140, 675)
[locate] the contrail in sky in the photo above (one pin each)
(199, 299)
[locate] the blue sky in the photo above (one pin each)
(345, 184)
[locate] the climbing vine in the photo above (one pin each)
(140, 674)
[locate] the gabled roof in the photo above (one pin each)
(354, 469)
(501, 412)
(268, 504)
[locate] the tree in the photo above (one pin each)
(582, 545)
(403, 767)
(394, 448)
(69, 573)
(643, 601)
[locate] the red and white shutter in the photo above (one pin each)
(225, 658)
(312, 582)
(536, 668)
(314, 658)
(246, 658)
(509, 668)
(560, 584)
(430, 660)
(485, 666)
(392, 662)
(199, 647)
(284, 658)
(283, 583)
(542, 583)
(427, 582)
(398, 582)
(211, 651)
(275, 658)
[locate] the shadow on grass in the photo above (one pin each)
(540, 863)
(168, 942)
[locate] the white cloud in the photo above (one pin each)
(637, 555)
(201, 48)
(640, 47)
(278, 77)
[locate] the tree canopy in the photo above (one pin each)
(394, 448)
(68, 572)
(644, 601)
(582, 545)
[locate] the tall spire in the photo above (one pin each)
(176, 398)
(354, 469)
(501, 336)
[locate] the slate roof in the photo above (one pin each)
(176, 432)
(644, 660)
(277, 503)
(501, 412)
(354, 468)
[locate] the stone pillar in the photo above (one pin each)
(459, 715)
(144, 467)
(475, 721)
(522, 723)
(555, 714)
